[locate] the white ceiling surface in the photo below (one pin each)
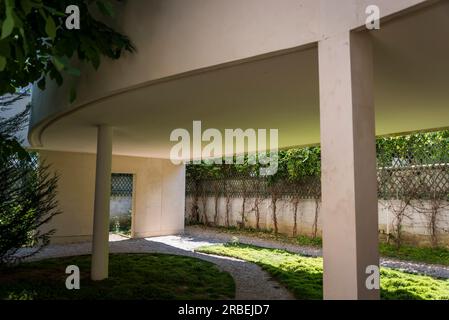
(411, 93)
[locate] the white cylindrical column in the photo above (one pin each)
(100, 236)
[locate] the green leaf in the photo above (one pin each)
(59, 63)
(10, 4)
(17, 21)
(105, 8)
(2, 63)
(8, 25)
(63, 63)
(54, 12)
(26, 5)
(50, 27)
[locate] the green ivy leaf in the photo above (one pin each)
(8, 25)
(50, 27)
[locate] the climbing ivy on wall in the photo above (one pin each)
(413, 171)
(295, 164)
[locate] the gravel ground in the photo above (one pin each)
(438, 271)
(251, 281)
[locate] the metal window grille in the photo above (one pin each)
(121, 184)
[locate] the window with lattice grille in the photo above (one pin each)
(121, 184)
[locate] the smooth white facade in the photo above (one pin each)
(158, 207)
(298, 66)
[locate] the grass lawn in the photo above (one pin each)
(303, 275)
(131, 276)
(438, 255)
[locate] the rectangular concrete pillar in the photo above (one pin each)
(349, 196)
(100, 235)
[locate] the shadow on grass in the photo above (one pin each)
(304, 275)
(131, 276)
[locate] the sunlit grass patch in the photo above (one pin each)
(304, 275)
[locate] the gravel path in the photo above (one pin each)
(251, 281)
(438, 271)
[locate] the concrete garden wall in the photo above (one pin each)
(415, 223)
(120, 206)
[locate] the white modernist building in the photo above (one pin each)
(309, 68)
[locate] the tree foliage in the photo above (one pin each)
(427, 148)
(35, 44)
(27, 195)
(303, 162)
(293, 165)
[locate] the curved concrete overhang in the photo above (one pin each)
(238, 64)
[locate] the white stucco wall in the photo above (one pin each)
(414, 226)
(159, 195)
